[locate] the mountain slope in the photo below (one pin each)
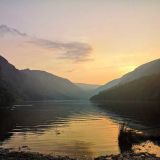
(146, 88)
(10, 80)
(107, 86)
(147, 69)
(88, 88)
(34, 85)
(48, 86)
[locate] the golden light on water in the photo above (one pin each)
(80, 137)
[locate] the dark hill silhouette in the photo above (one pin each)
(43, 85)
(34, 85)
(142, 89)
(146, 69)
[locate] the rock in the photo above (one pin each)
(6, 154)
(129, 156)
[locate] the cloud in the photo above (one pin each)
(75, 51)
(4, 30)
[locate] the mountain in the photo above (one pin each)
(10, 82)
(88, 88)
(146, 88)
(106, 86)
(34, 85)
(147, 69)
(43, 85)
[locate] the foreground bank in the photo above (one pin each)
(6, 154)
(129, 156)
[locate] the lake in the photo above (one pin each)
(80, 129)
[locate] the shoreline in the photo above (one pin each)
(129, 156)
(6, 154)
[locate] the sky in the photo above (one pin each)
(86, 41)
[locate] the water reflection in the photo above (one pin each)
(140, 125)
(138, 115)
(135, 141)
(75, 128)
(78, 149)
(41, 115)
(81, 129)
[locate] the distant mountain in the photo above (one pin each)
(146, 88)
(43, 85)
(34, 85)
(88, 88)
(147, 69)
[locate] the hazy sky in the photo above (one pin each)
(90, 41)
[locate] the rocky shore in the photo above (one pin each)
(6, 154)
(129, 156)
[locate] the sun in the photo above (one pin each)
(126, 69)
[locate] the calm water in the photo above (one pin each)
(78, 129)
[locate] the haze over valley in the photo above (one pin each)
(31, 85)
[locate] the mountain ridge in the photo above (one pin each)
(136, 85)
(142, 89)
(35, 84)
(142, 70)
